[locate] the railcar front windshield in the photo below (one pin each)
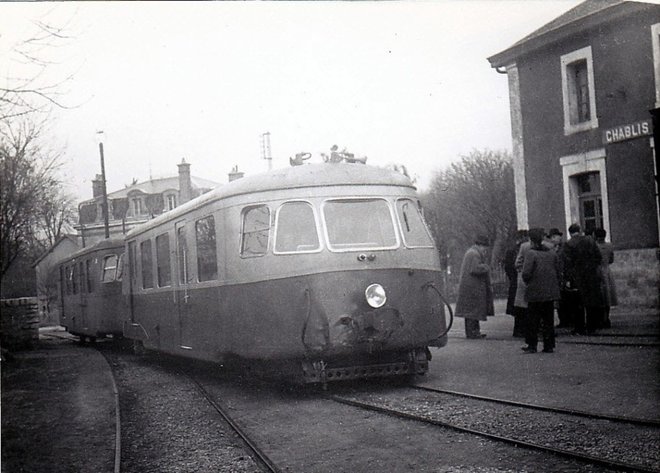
(359, 224)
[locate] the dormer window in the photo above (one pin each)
(171, 201)
(579, 98)
(136, 206)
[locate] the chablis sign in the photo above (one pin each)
(627, 132)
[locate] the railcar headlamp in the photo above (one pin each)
(375, 295)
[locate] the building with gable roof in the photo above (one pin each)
(585, 99)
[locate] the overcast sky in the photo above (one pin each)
(399, 82)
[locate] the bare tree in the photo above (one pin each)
(28, 180)
(473, 196)
(31, 90)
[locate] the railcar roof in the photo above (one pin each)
(295, 177)
(101, 245)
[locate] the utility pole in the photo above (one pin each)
(265, 149)
(104, 205)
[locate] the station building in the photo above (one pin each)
(584, 94)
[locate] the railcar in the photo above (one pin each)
(91, 291)
(318, 272)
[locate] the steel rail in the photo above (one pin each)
(537, 407)
(115, 392)
(261, 456)
(582, 457)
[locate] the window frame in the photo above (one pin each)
(241, 248)
(168, 259)
(215, 247)
(421, 216)
(106, 269)
(317, 224)
(567, 62)
(393, 219)
(143, 243)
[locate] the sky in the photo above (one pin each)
(399, 82)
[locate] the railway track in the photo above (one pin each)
(421, 409)
(558, 410)
(262, 459)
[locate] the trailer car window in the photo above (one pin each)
(182, 248)
(256, 228)
(295, 229)
(146, 258)
(90, 279)
(358, 224)
(413, 228)
(83, 277)
(120, 267)
(207, 253)
(109, 268)
(74, 278)
(163, 260)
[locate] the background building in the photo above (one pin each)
(137, 203)
(583, 92)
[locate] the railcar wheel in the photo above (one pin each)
(138, 348)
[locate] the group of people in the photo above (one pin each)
(545, 273)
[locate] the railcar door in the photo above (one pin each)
(182, 288)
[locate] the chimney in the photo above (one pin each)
(97, 186)
(185, 184)
(235, 174)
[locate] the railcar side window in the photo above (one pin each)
(182, 249)
(146, 259)
(256, 229)
(359, 224)
(413, 229)
(163, 260)
(295, 228)
(207, 252)
(109, 268)
(132, 263)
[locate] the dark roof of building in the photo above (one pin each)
(568, 23)
(158, 186)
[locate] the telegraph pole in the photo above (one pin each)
(265, 149)
(104, 205)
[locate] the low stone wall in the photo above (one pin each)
(637, 277)
(19, 323)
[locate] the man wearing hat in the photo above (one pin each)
(475, 294)
(566, 302)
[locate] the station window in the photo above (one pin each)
(207, 253)
(295, 228)
(255, 231)
(109, 268)
(171, 201)
(413, 228)
(358, 224)
(163, 260)
(579, 97)
(146, 259)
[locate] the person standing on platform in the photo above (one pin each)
(475, 294)
(581, 263)
(512, 275)
(541, 275)
(607, 281)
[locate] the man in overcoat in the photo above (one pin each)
(475, 294)
(581, 262)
